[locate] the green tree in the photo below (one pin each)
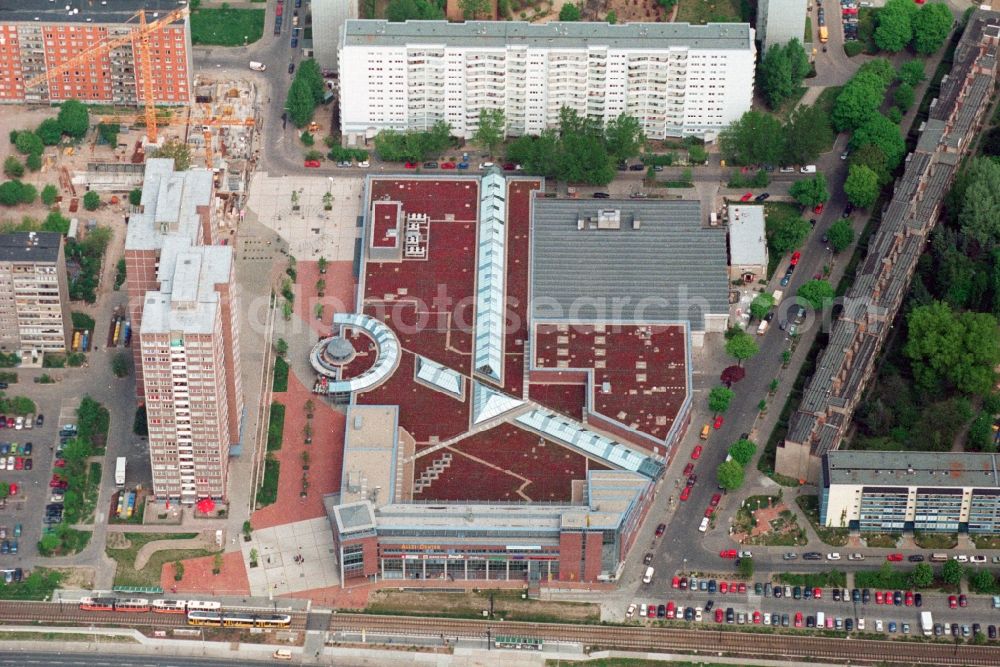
(475, 9)
(982, 582)
(121, 364)
(742, 346)
(403, 10)
(178, 151)
(12, 167)
(951, 572)
(761, 305)
(858, 102)
(882, 132)
(49, 194)
(719, 399)
(281, 347)
(624, 137)
(810, 191)
(861, 186)
(922, 576)
(931, 25)
(10, 193)
(33, 161)
(816, 293)
(904, 96)
(841, 235)
(873, 157)
(755, 138)
(492, 129)
(300, 104)
(743, 451)
(49, 131)
(28, 143)
(786, 234)
(310, 73)
(56, 222)
(135, 196)
(979, 213)
(140, 425)
(912, 72)
(74, 118)
(91, 201)
(807, 134)
(109, 133)
(729, 475)
(48, 544)
(569, 12)
(980, 438)
(781, 72)
(894, 30)
(178, 570)
(959, 350)
(612, 17)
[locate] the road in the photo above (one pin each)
(22, 659)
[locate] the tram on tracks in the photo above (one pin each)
(238, 620)
(142, 605)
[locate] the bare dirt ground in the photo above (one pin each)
(626, 10)
(506, 604)
(76, 577)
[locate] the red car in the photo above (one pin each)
(952, 602)
(686, 493)
(312, 164)
(447, 165)
(743, 587)
(756, 618)
(709, 512)
(895, 558)
(19, 463)
(13, 489)
(671, 609)
(798, 619)
(718, 422)
(818, 209)
(818, 593)
(411, 165)
(878, 597)
(887, 596)
(688, 469)
(696, 454)
(714, 502)
(909, 598)
(747, 197)
(850, 11)
(728, 553)
(795, 257)
(60, 463)
(10, 422)
(509, 166)
(675, 582)
(719, 615)
(723, 587)
(661, 529)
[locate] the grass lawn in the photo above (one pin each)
(280, 382)
(710, 11)
(226, 27)
(829, 579)
(835, 537)
(882, 540)
(91, 492)
(828, 97)
(926, 540)
(986, 541)
(127, 575)
(275, 427)
(38, 585)
(267, 494)
(507, 604)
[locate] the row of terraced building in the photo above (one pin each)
(845, 367)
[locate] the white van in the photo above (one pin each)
(820, 619)
(648, 577)
(257, 67)
(762, 327)
(282, 654)
(777, 296)
(808, 169)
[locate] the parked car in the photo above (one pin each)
(312, 164)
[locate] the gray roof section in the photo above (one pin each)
(169, 205)
(575, 35)
(114, 11)
(30, 247)
(187, 300)
(669, 269)
(948, 469)
(747, 242)
(357, 517)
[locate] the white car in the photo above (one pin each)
(833, 556)
(631, 611)
(19, 424)
(697, 614)
(961, 558)
(485, 165)
(746, 554)
(10, 463)
(861, 624)
(642, 610)
(704, 525)
(878, 625)
(767, 618)
(29, 422)
(855, 556)
(364, 165)
(977, 559)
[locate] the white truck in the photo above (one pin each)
(926, 623)
(257, 67)
(777, 296)
(120, 472)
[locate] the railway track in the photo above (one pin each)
(68, 613)
(748, 644)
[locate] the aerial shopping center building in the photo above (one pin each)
(517, 373)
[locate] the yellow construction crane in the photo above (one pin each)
(139, 38)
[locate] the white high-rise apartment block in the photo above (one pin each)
(34, 293)
(677, 79)
(780, 21)
(328, 17)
